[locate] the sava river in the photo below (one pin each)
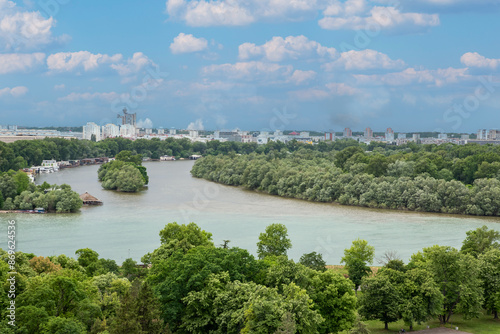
(127, 225)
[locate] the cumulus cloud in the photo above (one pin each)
(196, 125)
(474, 59)
(298, 77)
(18, 62)
(378, 17)
(188, 43)
(15, 91)
(291, 47)
(203, 13)
(25, 30)
(410, 76)
(133, 65)
(87, 61)
(253, 70)
(364, 60)
(145, 124)
(69, 61)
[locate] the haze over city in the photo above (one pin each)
(225, 64)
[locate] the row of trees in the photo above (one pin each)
(16, 192)
(125, 173)
(438, 282)
(464, 163)
(315, 176)
(192, 286)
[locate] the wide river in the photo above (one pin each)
(127, 225)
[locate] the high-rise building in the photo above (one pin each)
(161, 131)
(110, 131)
(127, 130)
(347, 133)
(193, 133)
(172, 131)
(389, 135)
(442, 136)
(368, 133)
(416, 137)
(401, 135)
(91, 129)
(330, 136)
(127, 118)
(464, 137)
(483, 134)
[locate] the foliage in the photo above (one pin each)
(274, 241)
(480, 240)
(121, 176)
(314, 261)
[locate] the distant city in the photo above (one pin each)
(128, 129)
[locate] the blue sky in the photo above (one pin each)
(413, 65)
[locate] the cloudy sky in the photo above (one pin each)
(412, 65)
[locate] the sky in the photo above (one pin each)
(412, 65)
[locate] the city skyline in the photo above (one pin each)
(316, 65)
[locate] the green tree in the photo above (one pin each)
(490, 277)
(380, 300)
(314, 261)
(356, 259)
(274, 241)
(457, 276)
(127, 156)
(480, 240)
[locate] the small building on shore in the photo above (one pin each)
(194, 157)
(88, 199)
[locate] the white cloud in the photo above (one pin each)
(15, 91)
(73, 97)
(364, 60)
(146, 124)
(253, 70)
(196, 125)
(291, 47)
(22, 30)
(60, 87)
(20, 62)
(69, 61)
(378, 17)
(202, 13)
(188, 43)
(87, 61)
(133, 65)
(298, 77)
(329, 90)
(410, 76)
(474, 59)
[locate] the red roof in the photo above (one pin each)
(293, 133)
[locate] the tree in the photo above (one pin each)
(314, 261)
(420, 297)
(59, 325)
(126, 178)
(380, 300)
(88, 258)
(127, 156)
(179, 237)
(490, 277)
(356, 259)
(174, 277)
(359, 250)
(274, 241)
(334, 298)
(457, 276)
(480, 240)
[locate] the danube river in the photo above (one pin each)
(127, 225)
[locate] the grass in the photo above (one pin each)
(485, 324)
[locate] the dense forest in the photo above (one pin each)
(18, 193)
(125, 173)
(194, 286)
(445, 178)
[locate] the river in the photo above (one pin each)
(127, 225)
